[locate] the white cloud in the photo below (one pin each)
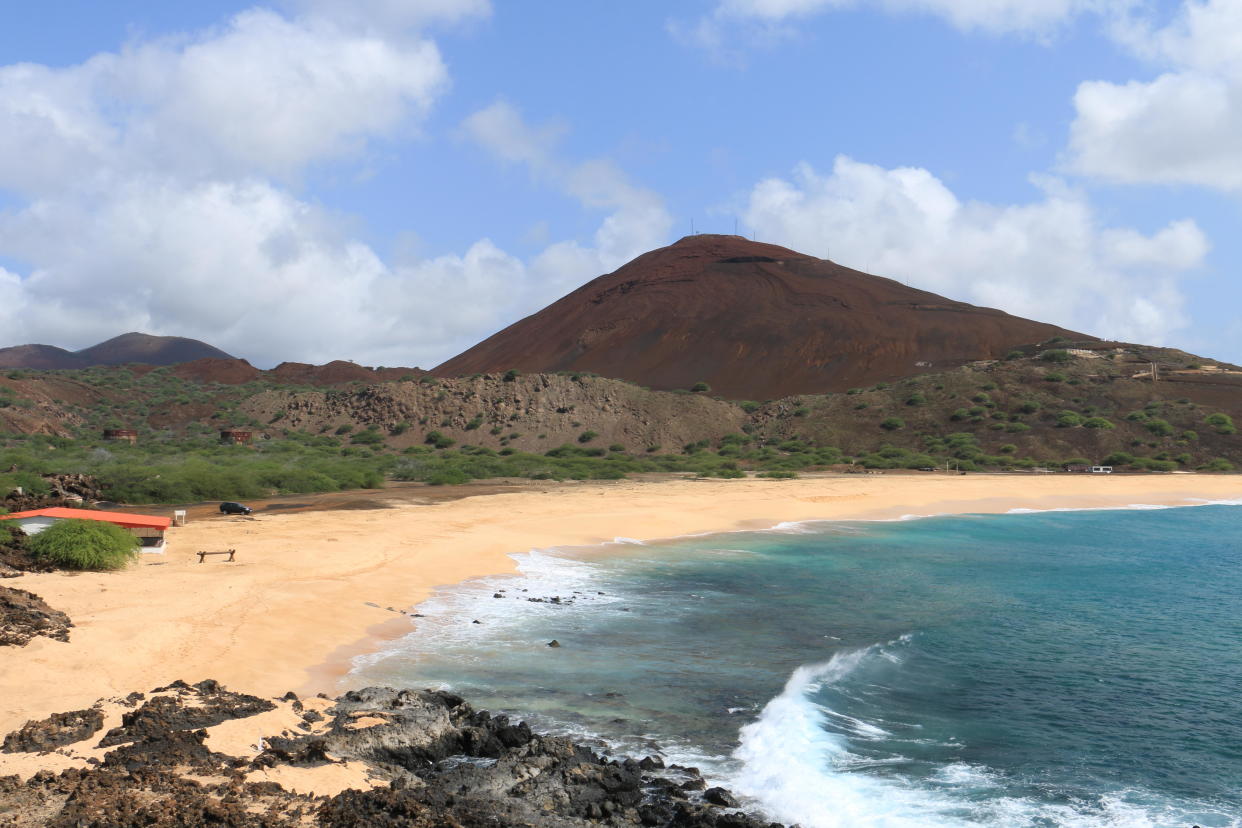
(501, 130)
(386, 15)
(638, 222)
(286, 283)
(151, 197)
(776, 18)
(1050, 260)
(1181, 127)
(263, 95)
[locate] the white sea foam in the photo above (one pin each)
(1192, 502)
(448, 615)
(797, 771)
(790, 763)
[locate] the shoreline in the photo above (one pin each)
(310, 591)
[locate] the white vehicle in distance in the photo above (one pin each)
(1101, 469)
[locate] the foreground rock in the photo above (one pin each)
(191, 755)
(24, 615)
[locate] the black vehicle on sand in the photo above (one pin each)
(230, 508)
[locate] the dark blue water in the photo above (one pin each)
(1049, 669)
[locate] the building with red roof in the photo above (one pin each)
(147, 528)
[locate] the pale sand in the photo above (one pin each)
(296, 596)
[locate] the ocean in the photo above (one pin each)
(1072, 668)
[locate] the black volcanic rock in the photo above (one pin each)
(754, 321)
(436, 762)
(55, 731)
(24, 615)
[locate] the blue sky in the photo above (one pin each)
(391, 180)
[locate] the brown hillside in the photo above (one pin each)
(754, 321)
(338, 372)
(223, 371)
(149, 350)
(40, 358)
(130, 348)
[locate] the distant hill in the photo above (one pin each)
(39, 358)
(135, 348)
(753, 321)
(149, 350)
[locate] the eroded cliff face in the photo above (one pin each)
(544, 411)
(198, 755)
(755, 321)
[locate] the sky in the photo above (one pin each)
(391, 181)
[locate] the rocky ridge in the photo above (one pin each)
(373, 757)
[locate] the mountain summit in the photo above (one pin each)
(120, 350)
(754, 321)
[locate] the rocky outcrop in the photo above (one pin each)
(527, 413)
(24, 615)
(55, 731)
(430, 760)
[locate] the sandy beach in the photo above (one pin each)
(310, 590)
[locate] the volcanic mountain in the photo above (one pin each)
(754, 321)
(120, 350)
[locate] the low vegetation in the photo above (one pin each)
(84, 544)
(1044, 406)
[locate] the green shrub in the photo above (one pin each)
(1012, 355)
(511, 375)
(892, 424)
(438, 440)
(448, 477)
(1159, 427)
(1054, 377)
(1223, 423)
(474, 423)
(749, 406)
(1028, 407)
(1097, 422)
(85, 544)
(1056, 355)
(1069, 419)
(777, 475)
(1220, 464)
(1119, 458)
(916, 399)
(700, 388)
(587, 436)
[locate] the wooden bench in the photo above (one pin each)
(230, 552)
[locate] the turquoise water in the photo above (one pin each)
(1042, 669)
